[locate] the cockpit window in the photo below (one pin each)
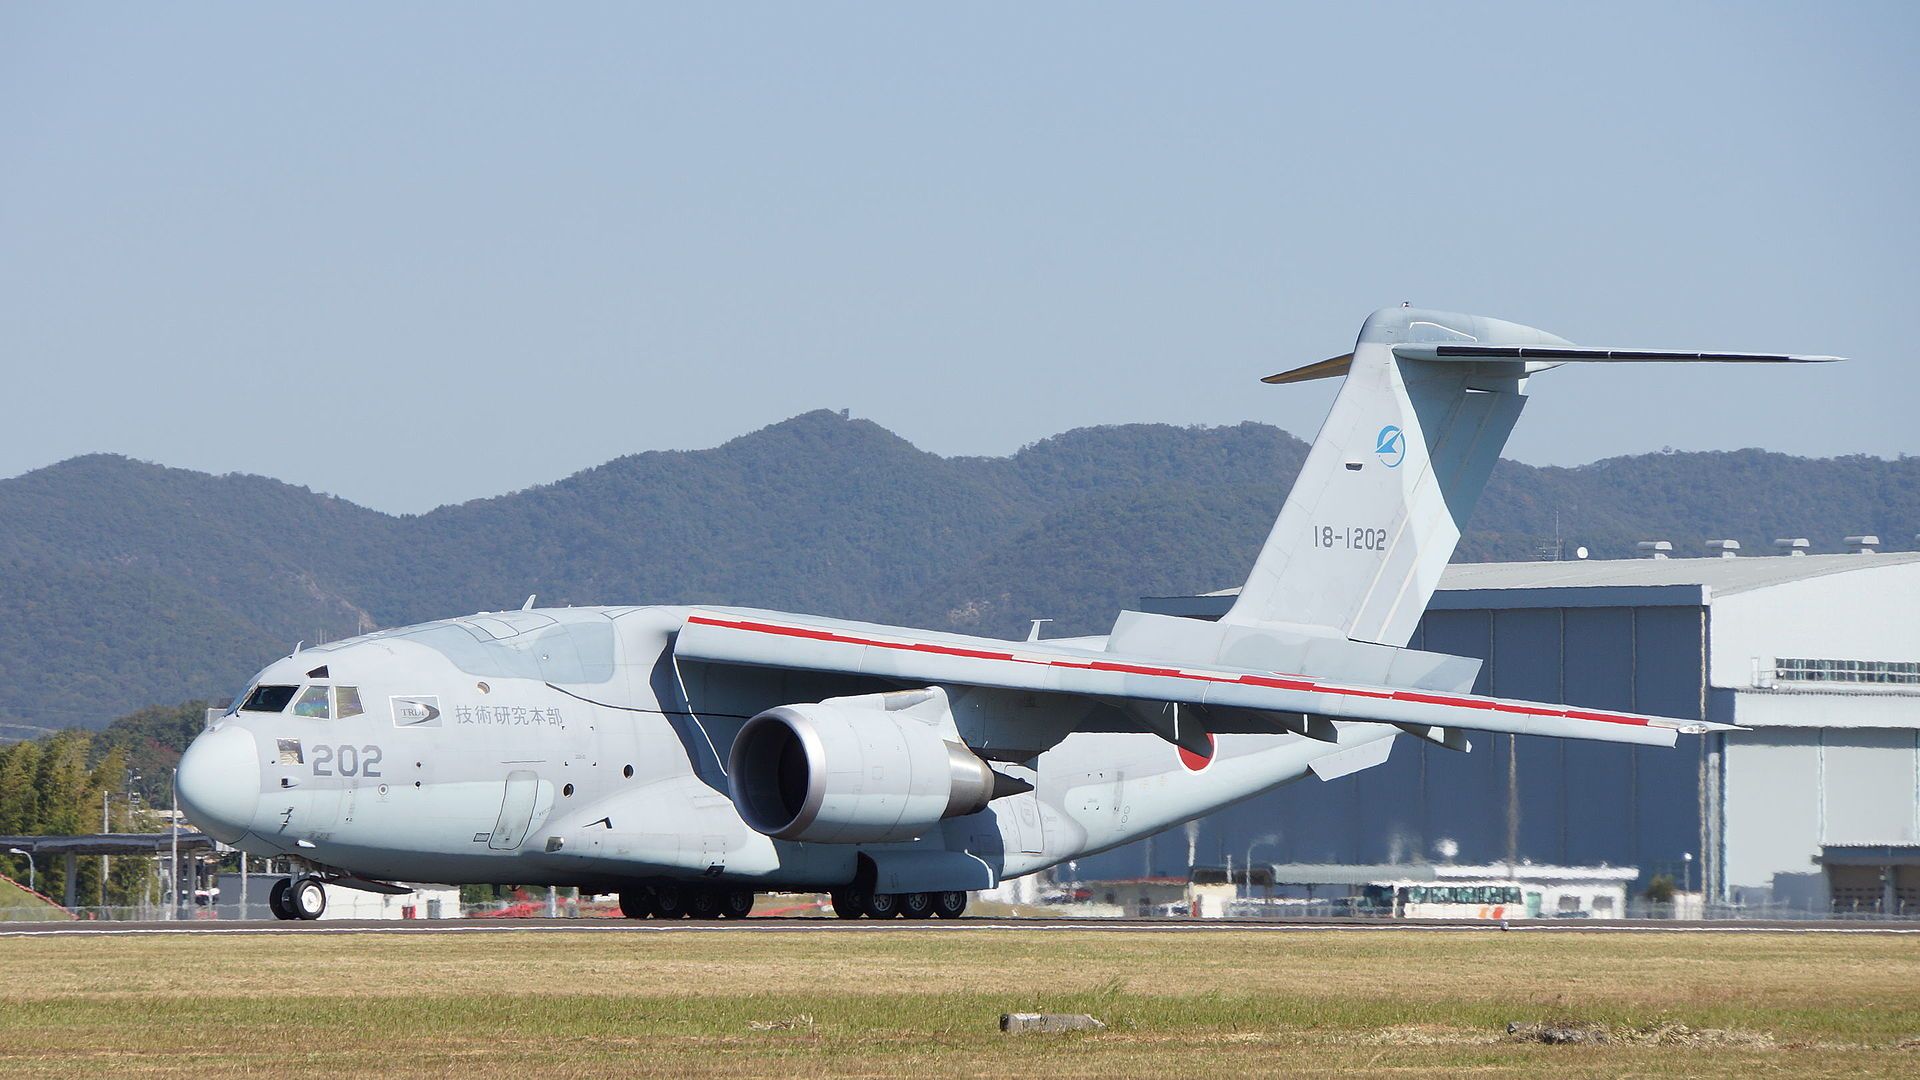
(346, 701)
(268, 699)
(312, 703)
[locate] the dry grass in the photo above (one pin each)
(732, 1004)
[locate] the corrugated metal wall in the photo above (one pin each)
(1794, 790)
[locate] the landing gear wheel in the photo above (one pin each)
(670, 902)
(704, 904)
(277, 899)
(307, 898)
(950, 905)
(916, 905)
(736, 903)
(880, 905)
(846, 904)
(636, 904)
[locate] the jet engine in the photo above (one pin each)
(868, 769)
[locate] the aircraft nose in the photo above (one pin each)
(219, 782)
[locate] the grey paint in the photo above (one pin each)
(590, 746)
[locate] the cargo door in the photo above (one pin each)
(516, 810)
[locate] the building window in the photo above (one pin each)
(1885, 672)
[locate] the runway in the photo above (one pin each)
(954, 926)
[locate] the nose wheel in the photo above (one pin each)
(297, 898)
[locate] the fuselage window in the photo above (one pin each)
(312, 703)
(346, 701)
(268, 699)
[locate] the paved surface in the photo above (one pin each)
(949, 926)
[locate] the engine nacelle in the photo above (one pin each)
(869, 769)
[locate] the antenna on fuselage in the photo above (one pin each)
(528, 606)
(1034, 634)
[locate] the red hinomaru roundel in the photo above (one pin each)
(1197, 762)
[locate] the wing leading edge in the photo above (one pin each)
(769, 640)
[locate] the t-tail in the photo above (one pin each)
(1429, 400)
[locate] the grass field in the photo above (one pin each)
(17, 902)
(892, 1004)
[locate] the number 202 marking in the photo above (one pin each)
(361, 761)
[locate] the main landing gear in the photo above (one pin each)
(297, 898)
(853, 903)
(680, 901)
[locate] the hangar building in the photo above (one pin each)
(1817, 803)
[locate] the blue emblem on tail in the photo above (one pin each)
(1391, 446)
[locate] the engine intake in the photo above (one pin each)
(870, 769)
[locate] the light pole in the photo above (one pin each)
(173, 865)
(106, 827)
(132, 798)
(29, 855)
(1247, 874)
(1686, 871)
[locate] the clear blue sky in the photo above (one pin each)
(418, 254)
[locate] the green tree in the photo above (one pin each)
(19, 800)
(19, 788)
(64, 783)
(1660, 889)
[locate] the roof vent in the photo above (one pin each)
(1797, 545)
(1864, 545)
(1726, 549)
(1656, 549)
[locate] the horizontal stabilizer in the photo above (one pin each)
(1322, 369)
(1564, 354)
(1425, 406)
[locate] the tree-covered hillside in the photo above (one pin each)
(124, 583)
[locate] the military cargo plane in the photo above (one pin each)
(687, 757)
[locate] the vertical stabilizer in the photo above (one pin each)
(1378, 508)
(1429, 400)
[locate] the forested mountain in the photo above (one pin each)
(124, 583)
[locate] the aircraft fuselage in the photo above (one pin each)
(568, 746)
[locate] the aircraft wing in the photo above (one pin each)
(766, 639)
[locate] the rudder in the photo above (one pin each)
(1393, 474)
(1429, 400)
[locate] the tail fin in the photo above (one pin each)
(1429, 401)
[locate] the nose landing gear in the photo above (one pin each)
(297, 898)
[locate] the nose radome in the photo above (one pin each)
(219, 782)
